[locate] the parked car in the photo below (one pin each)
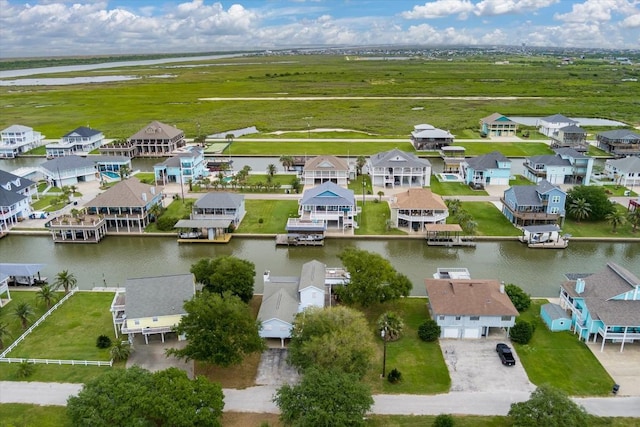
(505, 354)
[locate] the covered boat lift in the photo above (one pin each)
(217, 230)
(544, 236)
(23, 274)
(447, 235)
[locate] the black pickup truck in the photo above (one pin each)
(505, 354)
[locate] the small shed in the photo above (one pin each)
(555, 317)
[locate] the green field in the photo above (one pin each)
(449, 95)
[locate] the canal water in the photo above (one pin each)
(116, 258)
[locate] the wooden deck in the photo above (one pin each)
(454, 241)
(559, 244)
(223, 239)
(285, 240)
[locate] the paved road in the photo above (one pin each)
(259, 399)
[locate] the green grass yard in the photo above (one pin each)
(601, 229)
(13, 323)
(490, 220)
(273, 213)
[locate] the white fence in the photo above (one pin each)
(5, 359)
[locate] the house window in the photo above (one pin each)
(458, 317)
(474, 317)
(136, 322)
(555, 210)
(155, 319)
(441, 317)
(505, 318)
(267, 327)
(555, 199)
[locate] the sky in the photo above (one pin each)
(92, 27)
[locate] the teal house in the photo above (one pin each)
(555, 317)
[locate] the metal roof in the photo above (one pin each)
(158, 296)
(13, 269)
(203, 223)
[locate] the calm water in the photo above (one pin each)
(115, 259)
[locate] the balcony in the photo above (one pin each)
(433, 218)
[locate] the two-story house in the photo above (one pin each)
(491, 169)
(625, 171)
(571, 136)
(188, 165)
(427, 137)
(399, 168)
(469, 308)
(323, 169)
(155, 140)
(567, 166)
(220, 205)
(620, 142)
(498, 125)
(328, 202)
(604, 304)
(417, 207)
(534, 204)
(69, 170)
(81, 140)
(18, 139)
(15, 199)
(552, 124)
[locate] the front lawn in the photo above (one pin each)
(267, 216)
(421, 364)
(13, 323)
(490, 220)
(454, 189)
(561, 359)
(520, 180)
(373, 220)
(178, 209)
(602, 228)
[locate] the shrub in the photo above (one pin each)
(121, 351)
(260, 221)
(394, 376)
(443, 420)
(520, 299)
(521, 332)
(25, 369)
(429, 331)
(103, 341)
(166, 223)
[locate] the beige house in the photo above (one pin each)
(154, 140)
(323, 169)
(417, 207)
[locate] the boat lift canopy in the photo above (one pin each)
(21, 270)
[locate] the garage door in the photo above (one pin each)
(471, 333)
(451, 333)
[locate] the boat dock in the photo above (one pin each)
(296, 240)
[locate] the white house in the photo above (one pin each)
(321, 169)
(399, 168)
(69, 170)
(550, 125)
(81, 140)
(15, 199)
(18, 139)
(625, 171)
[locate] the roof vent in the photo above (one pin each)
(580, 286)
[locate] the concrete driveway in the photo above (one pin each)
(274, 370)
(474, 366)
(624, 367)
(152, 356)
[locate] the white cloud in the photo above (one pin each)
(439, 9)
(598, 10)
(503, 7)
(632, 21)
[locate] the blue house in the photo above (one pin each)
(555, 317)
(604, 304)
(491, 169)
(181, 168)
(534, 204)
(328, 203)
(567, 166)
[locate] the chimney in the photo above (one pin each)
(502, 287)
(153, 190)
(580, 286)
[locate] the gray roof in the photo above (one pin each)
(313, 274)
(529, 195)
(554, 311)
(546, 228)
(67, 163)
(8, 198)
(279, 300)
(497, 118)
(549, 160)
(158, 296)
(17, 182)
(573, 129)
(221, 200)
(620, 134)
(14, 269)
(98, 158)
(626, 164)
(16, 129)
(398, 158)
(425, 131)
(570, 152)
(203, 223)
(558, 118)
(83, 131)
(328, 194)
(157, 131)
(488, 161)
(599, 291)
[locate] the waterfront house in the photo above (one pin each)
(184, 167)
(328, 202)
(69, 170)
(151, 305)
(571, 136)
(555, 317)
(427, 137)
(154, 140)
(491, 169)
(417, 207)
(452, 156)
(18, 139)
(604, 304)
(498, 125)
(78, 227)
(625, 171)
(552, 124)
(284, 297)
(620, 142)
(220, 205)
(15, 199)
(126, 206)
(567, 166)
(468, 308)
(321, 169)
(399, 168)
(534, 204)
(81, 140)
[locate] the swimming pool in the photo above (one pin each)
(111, 175)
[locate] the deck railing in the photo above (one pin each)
(57, 361)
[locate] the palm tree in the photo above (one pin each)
(380, 194)
(120, 351)
(4, 334)
(634, 218)
(271, 170)
(66, 280)
(124, 171)
(287, 162)
(454, 205)
(24, 312)
(615, 218)
(47, 295)
(360, 162)
(580, 209)
(73, 188)
(155, 211)
(391, 324)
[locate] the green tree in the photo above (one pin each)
(454, 205)
(24, 312)
(392, 325)
(372, 279)
(429, 331)
(596, 197)
(47, 295)
(226, 274)
(65, 280)
(271, 169)
(287, 162)
(220, 330)
(380, 194)
(579, 209)
(136, 397)
(443, 420)
(4, 334)
(520, 299)
(324, 398)
(360, 162)
(124, 171)
(521, 332)
(120, 351)
(548, 407)
(331, 338)
(616, 218)
(634, 219)
(25, 369)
